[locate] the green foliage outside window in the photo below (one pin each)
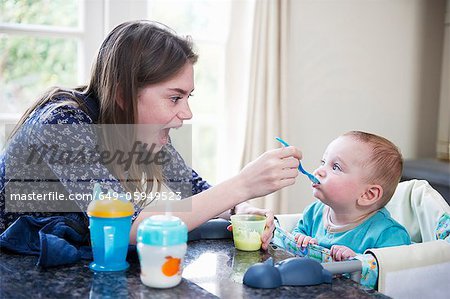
(29, 65)
(42, 12)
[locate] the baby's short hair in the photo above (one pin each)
(386, 163)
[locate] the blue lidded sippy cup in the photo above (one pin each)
(110, 224)
(161, 246)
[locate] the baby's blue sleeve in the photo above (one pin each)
(393, 236)
(304, 224)
(300, 228)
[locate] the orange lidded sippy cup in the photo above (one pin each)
(161, 246)
(109, 225)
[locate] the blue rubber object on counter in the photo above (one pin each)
(213, 229)
(295, 271)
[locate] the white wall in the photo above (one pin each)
(363, 65)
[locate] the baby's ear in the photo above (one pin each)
(373, 195)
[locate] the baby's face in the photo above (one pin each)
(342, 173)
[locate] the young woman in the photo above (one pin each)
(138, 91)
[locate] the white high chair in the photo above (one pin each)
(420, 270)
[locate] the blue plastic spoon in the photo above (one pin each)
(300, 167)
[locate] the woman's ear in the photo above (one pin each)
(373, 194)
(119, 98)
(120, 102)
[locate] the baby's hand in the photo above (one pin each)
(341, 253)
(303, 240)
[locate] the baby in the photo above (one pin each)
(358, 175)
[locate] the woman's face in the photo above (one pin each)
(164, 106)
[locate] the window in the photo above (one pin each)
(206, 21)
(43, 43)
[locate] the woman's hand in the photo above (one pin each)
(245, 208)
(273, 170)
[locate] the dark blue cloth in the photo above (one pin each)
(57, 240)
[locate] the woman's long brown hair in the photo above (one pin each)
(134, 55)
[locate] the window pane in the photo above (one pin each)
(40, 12)
(208, 80)
(30, 65)
(205, 19)
(203, 159)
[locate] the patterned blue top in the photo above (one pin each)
(29, 144)
(380, 230)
